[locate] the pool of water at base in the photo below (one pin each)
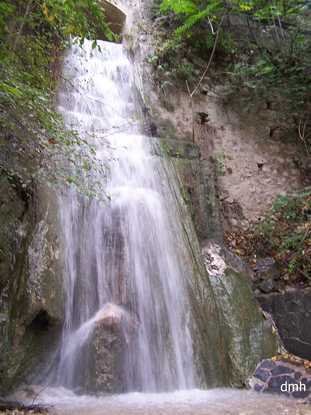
(188, 402)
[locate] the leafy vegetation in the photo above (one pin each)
(33, 35)
(263, 45)
(285, 234)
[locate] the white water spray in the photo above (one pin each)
(129, 251)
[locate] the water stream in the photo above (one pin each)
(124, 254)
(183, 402)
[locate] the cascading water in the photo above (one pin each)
(126, 261)
(124, 256)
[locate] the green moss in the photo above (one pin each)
(248, 337)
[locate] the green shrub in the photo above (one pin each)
(285, 233)
(33, 35)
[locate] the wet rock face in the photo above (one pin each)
(198, 179)
(283, 378)
(291, 313)
(115, 17)
(13, 225)
(248, 336)
(31, 309)
(244, 341)
(181, 149)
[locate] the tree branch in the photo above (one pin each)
(20, 30)
(210, 58)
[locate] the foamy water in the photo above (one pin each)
(130, 252)
(184, 402)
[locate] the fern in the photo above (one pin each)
(196, 18)
(179, 7)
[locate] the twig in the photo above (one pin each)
(20, 30)
(210, 58)
(211, 26)
(302, 134)
(17, 406)
(192, 111)
(38, 394)
(191, 93)
(281, 28)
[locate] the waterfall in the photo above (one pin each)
(124, 258)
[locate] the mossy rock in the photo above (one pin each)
(249, 336)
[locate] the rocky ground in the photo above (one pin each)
(22, 412)
(273, 375)
(15, 408)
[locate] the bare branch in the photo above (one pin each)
(191, 93)
(302, 134)
(210, 59)
(192, 109)
(20, 30)
(211, 26)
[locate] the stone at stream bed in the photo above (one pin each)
(115, 328)
(17, 408)
(282, 377)
(22, 412)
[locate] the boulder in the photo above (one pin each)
(291, 312)
(115, 328)
(266, 276)
(266, 269)
(282, 377)
(249, 337)
(110, 315)
(107, 349)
